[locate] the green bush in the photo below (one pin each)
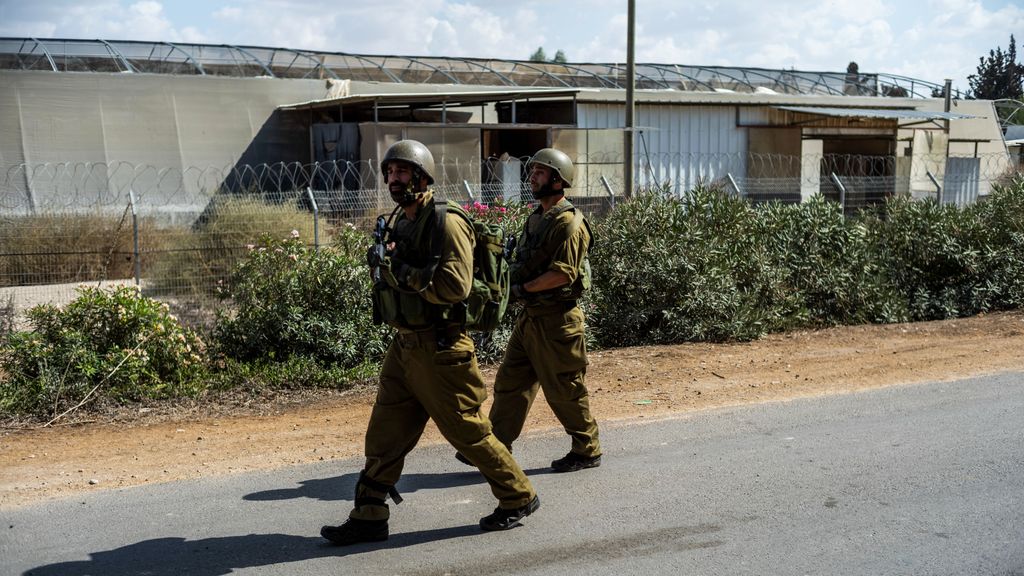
(933, 256)
(672, 269)
(1002, 216)
(828, 268)
(288, 299)
(122, 344)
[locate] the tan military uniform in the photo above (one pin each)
(430, 371)
(548, 345)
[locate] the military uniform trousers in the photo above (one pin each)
(418, 381)
(547, 348)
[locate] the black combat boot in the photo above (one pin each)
(354, 531)
(572, 462)
(505, 518)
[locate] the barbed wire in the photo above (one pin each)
(33, 188)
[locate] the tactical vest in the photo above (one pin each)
(406, 308)
(534, 252)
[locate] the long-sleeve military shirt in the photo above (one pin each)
(453, 277)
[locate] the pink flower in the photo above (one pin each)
(295, 233)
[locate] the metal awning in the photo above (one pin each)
(881, 113)
(431, 99)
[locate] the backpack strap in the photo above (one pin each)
(540, 255)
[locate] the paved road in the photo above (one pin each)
(925, 479)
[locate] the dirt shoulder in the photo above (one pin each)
(217, 438)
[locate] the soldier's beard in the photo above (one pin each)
(544, 191)
(403, 194)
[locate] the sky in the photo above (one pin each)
(929, 40)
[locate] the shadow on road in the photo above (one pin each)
(218, 556)
(343, 487)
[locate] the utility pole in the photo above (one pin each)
(627, 168)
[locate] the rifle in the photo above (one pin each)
(379, 251)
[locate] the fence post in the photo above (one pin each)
(611, 193)
(135, 238)
(842, 191)
(735, 187)
(316, 218)
(938, 187)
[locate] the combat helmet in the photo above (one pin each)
(557, 161)
(412, 152)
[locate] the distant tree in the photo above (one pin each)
(541, 56)
(999, 75)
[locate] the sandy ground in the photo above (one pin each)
(211, 439)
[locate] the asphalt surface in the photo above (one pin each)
(923, 479)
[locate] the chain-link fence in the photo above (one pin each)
(178, 232)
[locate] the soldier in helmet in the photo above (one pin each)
(548, 348)
(430, 369)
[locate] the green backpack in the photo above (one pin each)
(488, 297)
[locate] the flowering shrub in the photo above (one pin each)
(511, 215)
(123, 345)
(289, 299)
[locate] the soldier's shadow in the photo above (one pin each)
(219, 556)
(342, 487)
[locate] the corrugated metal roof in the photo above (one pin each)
(891, 113)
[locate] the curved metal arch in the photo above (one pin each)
(721, 72)
(775, 78)
(46, 53)
(379, 67)
(542, 72)
(253, 57)
(118, 56)
(319, 64)
(816, 79)
(508, 81)
(691, 78)
(435, 68)
(188, 57)
(651, 79)
(606, 81)
(296, 54)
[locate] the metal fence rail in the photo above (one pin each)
(178, 232)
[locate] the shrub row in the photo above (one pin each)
(702, 267)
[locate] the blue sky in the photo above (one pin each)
(929, 39)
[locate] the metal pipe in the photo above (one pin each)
(627, 167)
(135, 238)
(938, 187)
(316, 218)
(732, 181)
(842, 190)
(469, 191)
(611, 193)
